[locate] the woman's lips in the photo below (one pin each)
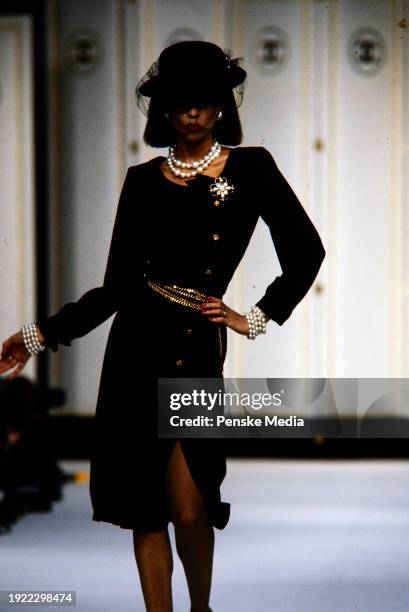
(194, 127)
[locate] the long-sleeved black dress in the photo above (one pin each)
(173, 233)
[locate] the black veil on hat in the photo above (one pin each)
(191, 70)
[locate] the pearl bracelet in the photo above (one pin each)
(257, 322)
(31, 340)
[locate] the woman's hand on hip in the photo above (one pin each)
(14, 353)
(218, 312)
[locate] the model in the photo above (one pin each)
(182, 226)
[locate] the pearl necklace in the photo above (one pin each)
(196, 166)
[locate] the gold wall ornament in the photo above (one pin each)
(133, 146)
(221, 189)
(319, 144)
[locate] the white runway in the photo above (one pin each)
(304, 536)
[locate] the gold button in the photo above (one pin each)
(179, 362)
(216, 202)
(208, 271)
(189, 332)
(216, 236)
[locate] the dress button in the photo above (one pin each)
(216, 236)
(216, 203)
(179, 362)
(208, 271)
(189, 332)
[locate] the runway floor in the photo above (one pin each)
(304, 536)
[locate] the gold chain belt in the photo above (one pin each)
(182, 295)
(192, 298)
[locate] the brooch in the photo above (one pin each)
(220, 189)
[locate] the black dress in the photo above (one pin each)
(173, 233)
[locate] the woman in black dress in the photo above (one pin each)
(182, 226)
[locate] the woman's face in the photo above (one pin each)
(193, 121)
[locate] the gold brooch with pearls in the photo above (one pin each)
(220, 190)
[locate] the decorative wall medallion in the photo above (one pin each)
(82, 51)
(367, 51)
(271, 50)
(181, 34)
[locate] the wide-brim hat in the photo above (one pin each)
(190, 70)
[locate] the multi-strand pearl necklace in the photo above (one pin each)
(194, 167)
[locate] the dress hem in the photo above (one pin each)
(217, 519)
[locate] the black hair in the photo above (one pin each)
(159, 132)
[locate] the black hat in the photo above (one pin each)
(191, 69)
